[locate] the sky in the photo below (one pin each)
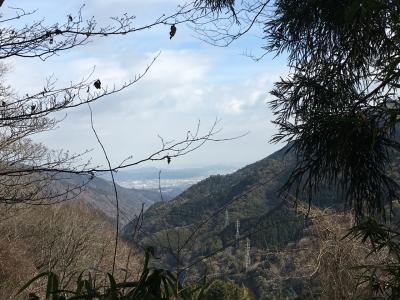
(190, 82)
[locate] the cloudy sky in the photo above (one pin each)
(190, 81)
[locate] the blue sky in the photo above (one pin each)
(190, 81)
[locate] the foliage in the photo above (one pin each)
(156, 284)
(322, 264)
(339, 103)
(152, 284)
(382, 279)
(216, 5)
(220, 290)
(339, 108)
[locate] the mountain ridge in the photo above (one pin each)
(247, 193)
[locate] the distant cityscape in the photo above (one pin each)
(150, 184)
(171, 181)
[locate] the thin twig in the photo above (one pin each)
(114, 185)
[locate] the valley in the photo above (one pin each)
(125, 125)
(230, 225)
(234, 227)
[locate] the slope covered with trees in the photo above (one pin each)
(66, 238)
(245, 195)
(202, 221)
(98, 194)
(196, 231)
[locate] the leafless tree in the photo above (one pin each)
(30, 172)
(221, 22)
(66, 238)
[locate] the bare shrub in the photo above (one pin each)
(66, 239)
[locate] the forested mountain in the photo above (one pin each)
(247, 195)
(256, 185)
(198, 228)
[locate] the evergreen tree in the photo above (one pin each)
(339, 104)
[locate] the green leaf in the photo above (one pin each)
(113, 288)
(26, 285)
(33, 296)
(52, 286)
(79, 284)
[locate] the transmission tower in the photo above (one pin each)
(226, 218)
(247, 254)
(237, 230)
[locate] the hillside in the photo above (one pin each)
(248, 195)
(263, 178)
(196, 231)
(66, 238)
(99, 195)
(198, 227)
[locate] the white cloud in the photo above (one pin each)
(178, 90)
(187, 83)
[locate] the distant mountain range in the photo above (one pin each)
(171, 173)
